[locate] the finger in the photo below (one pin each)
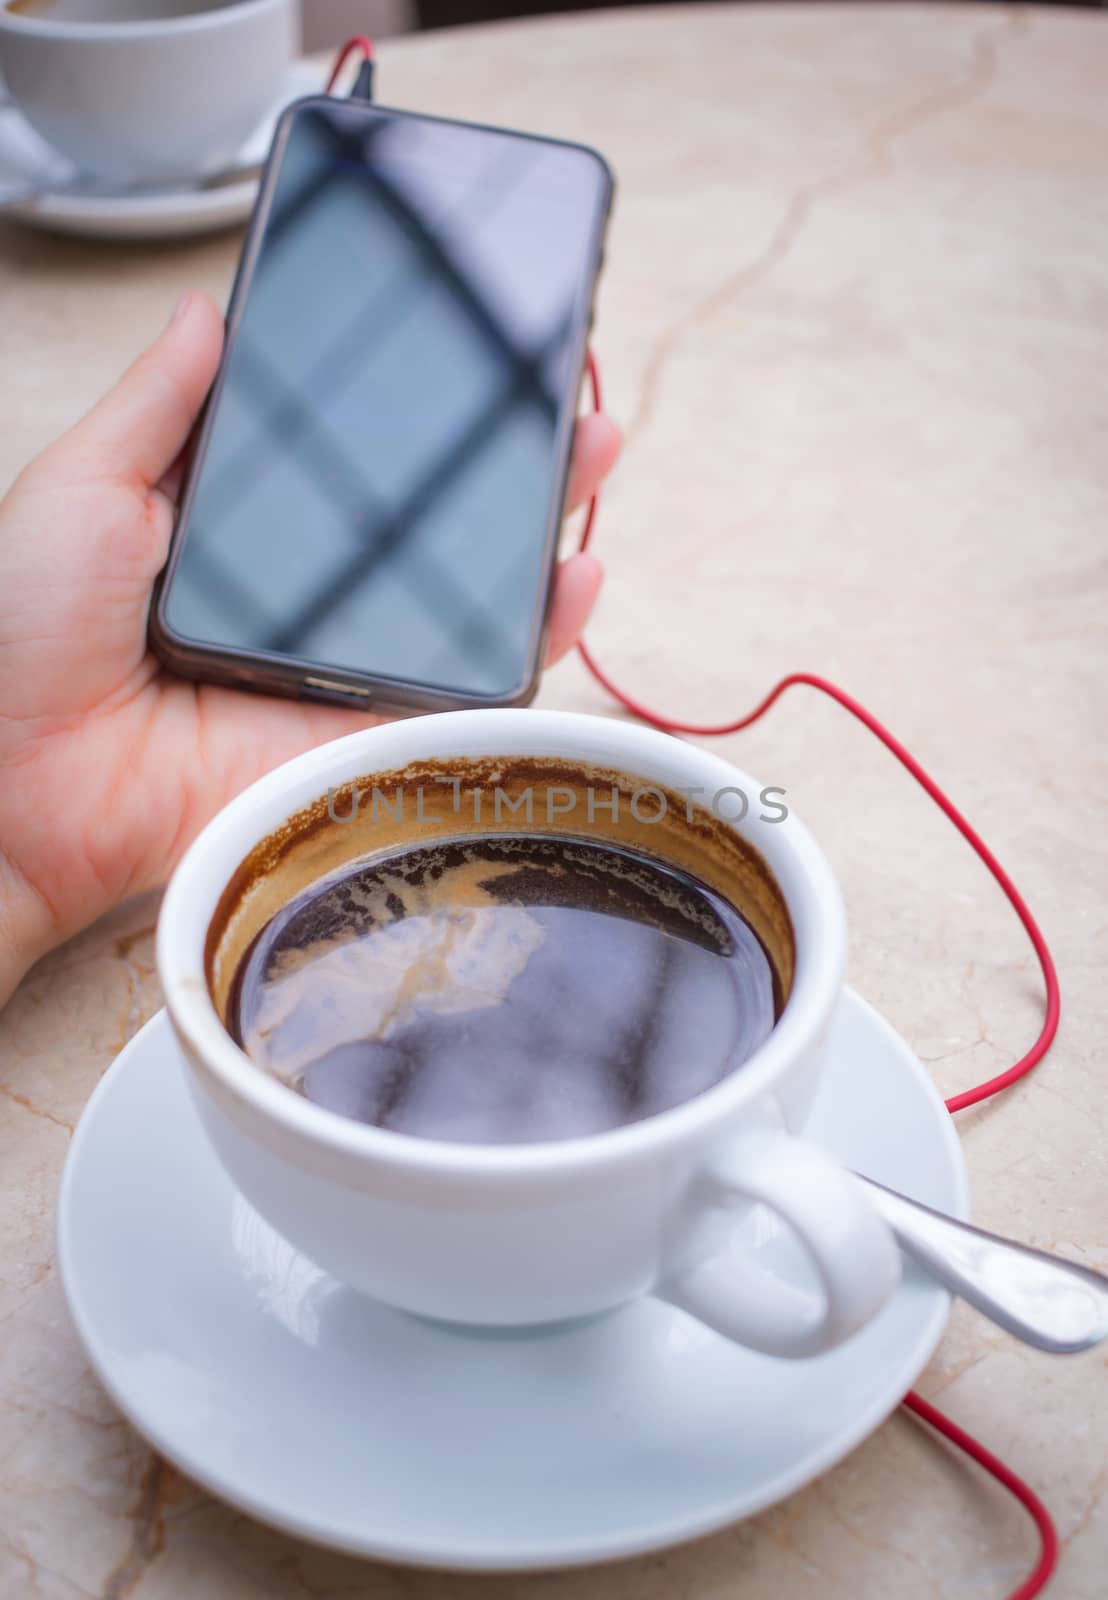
(596, 446)
(575, 591)
(140, 427)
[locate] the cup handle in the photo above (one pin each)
(855, 1258)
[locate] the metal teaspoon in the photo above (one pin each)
(1044, 1300)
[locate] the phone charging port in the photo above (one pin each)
(332, 687)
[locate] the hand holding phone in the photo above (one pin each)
(110, 766)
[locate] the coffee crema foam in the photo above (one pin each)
(310, 846)
(504, 989)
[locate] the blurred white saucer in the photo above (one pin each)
(159, 213)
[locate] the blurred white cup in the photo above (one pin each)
(133, 89)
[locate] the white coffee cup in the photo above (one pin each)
(523, 1234)
(132, 89)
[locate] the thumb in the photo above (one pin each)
(141, 425)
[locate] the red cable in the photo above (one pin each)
(1037, 1580)
(361, 42)
(981, 1091)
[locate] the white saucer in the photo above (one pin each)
(161, 213)
(388, 1436)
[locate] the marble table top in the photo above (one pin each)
(855, 322)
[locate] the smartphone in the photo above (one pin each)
(371, 509)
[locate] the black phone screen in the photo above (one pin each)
(378, 480)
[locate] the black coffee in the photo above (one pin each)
(504, 990)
